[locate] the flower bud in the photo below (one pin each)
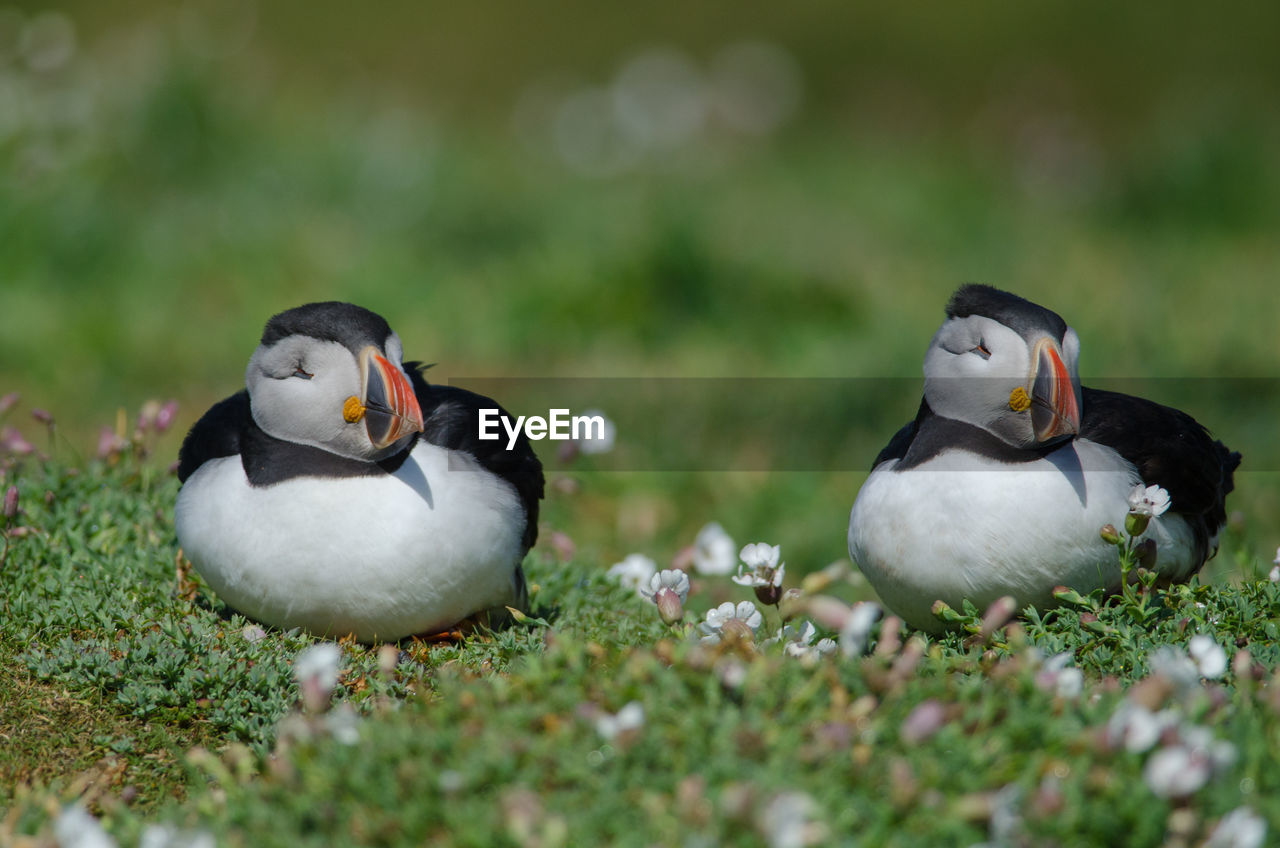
(770, 594)
(998, 615)
(1135, 523)
(388, 660)
(1110, 534)
(9, 401)
(11, 502)
(736, 630)
(669, 606)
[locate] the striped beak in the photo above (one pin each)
(1055, 410)
(390, 407)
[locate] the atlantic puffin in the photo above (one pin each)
(1002, 483)
(341, 493)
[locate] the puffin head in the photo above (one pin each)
(1006, 365)
(329, 375)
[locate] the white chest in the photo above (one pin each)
(958, 527)
(382, 557)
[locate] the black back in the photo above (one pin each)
(451, 419)
(216, 434)
(1170, 449)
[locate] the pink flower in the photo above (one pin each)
(166, 416)
(922, 722)
(109, 443)
(11, 441)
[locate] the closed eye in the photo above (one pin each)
(298, 372)
(982, 351)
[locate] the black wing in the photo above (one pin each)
(1170, 449)
(216, 434)
(451, 419)
(901, 441)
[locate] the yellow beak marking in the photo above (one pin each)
(353, 409)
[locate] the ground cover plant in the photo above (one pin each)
(609, 716)
(161, 199)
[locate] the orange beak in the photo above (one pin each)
(391, 410)
(1055, 410)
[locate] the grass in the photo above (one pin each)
(172, 711)
(784, 289)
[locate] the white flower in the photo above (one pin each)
(764, 573)
(599, 439)
(343, 724)
(1210, 658)
(797, 641)
(1137, 727)
(759, 555)
(1175, 665)
(1277, 559)
(669, 578)
(1220, 752)
(168, 836)
(77, 828)
(1148, 500)
(1240, 828)
(762, 576)
(788, 822)
(1274, 576)
(316, 670)
(1069, 683)
(630, 717)
(857, 628)
(1176, 772)
(1183, 768)
(801, 633)
(634, 571)
(744, 612)
(253, 633)
(713, 550)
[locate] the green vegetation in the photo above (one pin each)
(182, 714)
(159, 199)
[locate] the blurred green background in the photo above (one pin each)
(576, 189)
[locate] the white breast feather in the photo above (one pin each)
(954, 529)
(382, 557)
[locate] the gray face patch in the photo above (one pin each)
(972, 369)
(307, 409)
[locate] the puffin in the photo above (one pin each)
(1001, 484)
(341, 493)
